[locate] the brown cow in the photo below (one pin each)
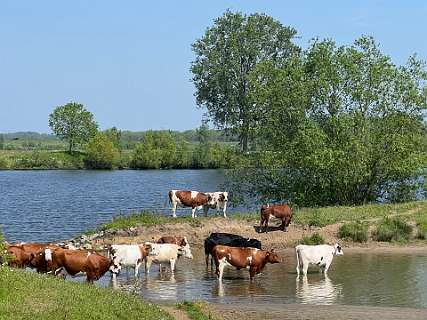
(73, 262)
(23, 253)
(280, 211)
(181, 241)
(194, 199)
(251, 258)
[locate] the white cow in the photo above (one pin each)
(219, 202)
(130, 255)
(320, 255)
(166, 253)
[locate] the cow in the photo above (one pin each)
(279, 211)
(219, 202)
(166, 253)
(320, 255)
(194, 199)
(228, 239)
(74, 262)
(250, 258)
(129, 255)
(23, 253)
(181, 241)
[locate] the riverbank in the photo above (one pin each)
(325, 222)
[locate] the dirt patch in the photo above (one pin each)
(175, 313)
(277, 239)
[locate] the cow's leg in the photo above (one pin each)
(172, 263)
(193, 212)
(252, 272)
(223, 210)
(137, 265)
(216, 267)
(205, 210)
(266, 225)
(222, 264)
(326, 268)
(207, 260)
(147, 265)
(304, 268)
(174, 209)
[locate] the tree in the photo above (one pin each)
(1, 141)
(101, 153)
(73, 123)
(343, 125)
(115, 137)
(225, 55)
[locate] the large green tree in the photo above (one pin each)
(101, 152)
(225, 55)
(342, 125)
(73, 123)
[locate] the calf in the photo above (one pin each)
(181, 241)
(280, 211)
(219, 202)
(194, 199)
(227, 239)
(320, 255)
(166, 253)
(74, 262)
(251, 258)
(129, 255)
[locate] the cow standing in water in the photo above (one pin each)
(279, 211)
(194, 199)
(320, 255)
(250, 258)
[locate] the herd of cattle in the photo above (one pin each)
(224, 249)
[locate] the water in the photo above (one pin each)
(55, 205)
(398, 280)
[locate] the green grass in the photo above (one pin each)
(26, 295)
(392, 229)
(314, 239)
(355, 231)
(421, 222)
(194, 310)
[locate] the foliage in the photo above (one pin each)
(1, 141)
(392, 229)
(46, 160)
(225, 55)
(101, 152)
(339, 126)
(356, 231)
(4, 163)
(314, 239)
(3, 255)
(195, 310)
(49, 298)
(422, 227)
(73, 123)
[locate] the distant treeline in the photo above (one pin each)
(29, 140)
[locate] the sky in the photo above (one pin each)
(128, 62)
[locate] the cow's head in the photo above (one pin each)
(211, 200)
(185, 251)
(115, 266)
(150, 250)
(272, 257)
(38, 261)
(223, 197)
(338, 250)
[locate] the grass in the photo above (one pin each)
(314, 239)
(27, 295)
(194, 310)
(355, 231)
(392, 229)
(421, 222)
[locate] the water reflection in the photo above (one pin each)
(319, 290)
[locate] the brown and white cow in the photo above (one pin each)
(250, 258)
(23, 253)
(219, 202)
(181, 241)
(73, 262)
(279, 211)
(194, 199)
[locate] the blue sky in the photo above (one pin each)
(128, 61)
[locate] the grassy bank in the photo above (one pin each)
(25, 295)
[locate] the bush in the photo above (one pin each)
(422, 229)
(314, 239)
(392, 230)
(356, 231)
(4, 163)
(101, 152)
(3, 255)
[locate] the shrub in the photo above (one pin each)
(314, 239)
(3, 256)
(392, 230)
(101, 152)
(4, 163)
(422, 229)
(356, 231)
